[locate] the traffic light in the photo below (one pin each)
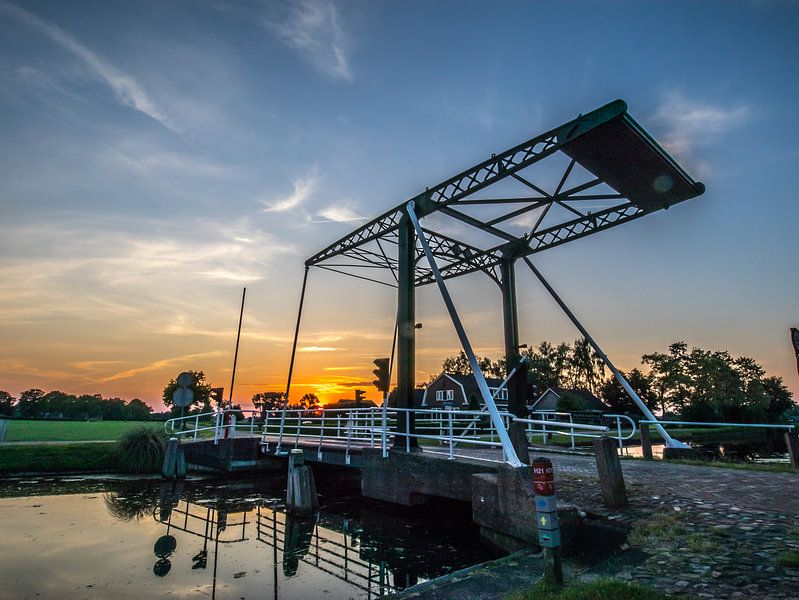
(381, 372)
(359, 396)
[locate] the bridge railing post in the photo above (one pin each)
(451, 444)
(407, 430)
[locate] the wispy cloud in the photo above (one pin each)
(127, 90)
(302, 189)
(313, 28)
(340, 214)
(689, 123)
(158, 365)
(318, 349)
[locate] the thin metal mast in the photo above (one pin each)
(236, 353)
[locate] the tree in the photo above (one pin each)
(779, 396)
(266, 401)
(457, 365)
(6, 403)
(569, 402)
(309, 401)
(617, 398)
(584, 366)
(29, 403)
(669, 375)
(136, 410)
(201, 389)
(460, 365)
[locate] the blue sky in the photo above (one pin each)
(157, 156)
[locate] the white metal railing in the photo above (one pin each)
(223, 424)
(621, 432)
(348, 429)
(709, 424)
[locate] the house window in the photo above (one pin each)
(445, 396)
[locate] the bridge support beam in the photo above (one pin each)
(406, 332)
(517, 386)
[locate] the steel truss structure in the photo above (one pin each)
(610, 172)
(629, 176)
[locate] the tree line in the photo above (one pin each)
(695, 384)
(36, 403)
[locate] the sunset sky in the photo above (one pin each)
(156, 157)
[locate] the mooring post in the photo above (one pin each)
(180, 462)
(170, 459)
(646, 441)
(300, 488)
(791, 441)
(611, 478)
(546, 516)
(3, 429)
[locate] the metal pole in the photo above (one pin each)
(670, 441)
(236, 353)
(384, 422)
(510, 453)
(406, 334)
(291, 362)
(517, 385)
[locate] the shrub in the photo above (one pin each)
(141, 450)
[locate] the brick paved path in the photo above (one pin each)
(705, 532)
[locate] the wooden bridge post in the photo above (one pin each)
(646, 442)
(611, 478)
(300, 489)
(792, 442)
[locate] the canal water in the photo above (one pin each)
(119, 539)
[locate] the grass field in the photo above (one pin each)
(71, 431)
(53, 459)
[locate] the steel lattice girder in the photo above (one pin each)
(606, 142)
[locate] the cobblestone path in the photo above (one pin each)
(701, 532)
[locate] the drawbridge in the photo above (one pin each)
(595, 172)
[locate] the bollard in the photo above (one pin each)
(546, 516)
(180, 462)
(646, 442)
(611, 479)
(3, 429)
(170, 459)
(300, 488)
(791, 441)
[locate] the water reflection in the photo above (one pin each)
(364, 548)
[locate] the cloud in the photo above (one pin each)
(318, 349)
(689, 123)
(127, 90)
(312, 27)
(160, 364)
(302, 189)
(340, 214)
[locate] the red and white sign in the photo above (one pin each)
(543, 477)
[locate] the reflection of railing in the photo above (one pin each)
(204, 522)
(329, 551)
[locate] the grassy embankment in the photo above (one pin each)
(20, 430)
(600, 589)
(69, 457)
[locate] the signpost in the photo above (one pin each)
(546, 516)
